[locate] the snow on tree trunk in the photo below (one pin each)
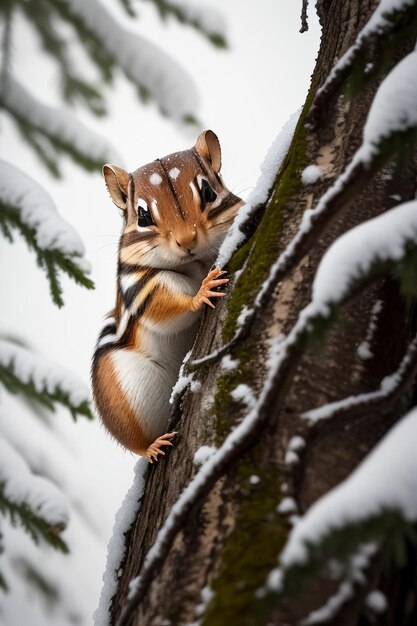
(230, 543)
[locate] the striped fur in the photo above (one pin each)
(162, 263)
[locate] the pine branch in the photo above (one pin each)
(202, 18)
(22, 372)
(49, 260)
(35, 526)
(42, 15)
(3, 583)
(100, 56)
(42, 146)
(30, 500)
(36, 579)
(371, 54)
(356, 576)
(366, 506)
(389, 529)
(128, 7)
(77, 89)
(392, 389)
(7, 10)
(144, 64)
(48, 399)
(64, 132)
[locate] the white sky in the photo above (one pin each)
(247, 94)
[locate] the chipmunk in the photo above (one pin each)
(176, 214)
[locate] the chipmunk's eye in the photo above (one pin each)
(207, 194)
(144, 214)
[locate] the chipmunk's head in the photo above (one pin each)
(177, 209)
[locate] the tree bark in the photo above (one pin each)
(231, 542)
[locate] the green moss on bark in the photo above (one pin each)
(224, 407)
(265, 246)
(251, 550)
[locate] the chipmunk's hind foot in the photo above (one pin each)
(156, 447)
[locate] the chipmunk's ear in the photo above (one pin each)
(117, 181)
(208, 146)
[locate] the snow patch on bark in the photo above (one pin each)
(116, 548)
(203, 454)
(311, 174)
(269, 169)
(376, 602)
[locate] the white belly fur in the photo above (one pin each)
(147, 377)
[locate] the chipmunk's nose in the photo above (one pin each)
(187, 240)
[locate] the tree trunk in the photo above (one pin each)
(232, 540)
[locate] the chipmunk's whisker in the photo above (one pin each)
(245, 189)
(106, 245)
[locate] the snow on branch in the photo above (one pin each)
(38, 211)
(116, 549)
(30, 500)
(390, 130)
(27, 207)
(355, 576)
(379, 497)
(73, 86)
(393, 109)
(355, 255)
(382, 245)
(392, 21)
(391, 388)
(23, 372)
(146, 65)
(203, 17)
(64, 132)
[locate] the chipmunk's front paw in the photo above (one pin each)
(155, 448)
(210, 282)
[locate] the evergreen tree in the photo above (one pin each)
(290, 496)
(29, 499)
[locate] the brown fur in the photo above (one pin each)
(167, 305)
(116, 413)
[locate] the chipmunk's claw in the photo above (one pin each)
(206, 291)
(155, 448)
